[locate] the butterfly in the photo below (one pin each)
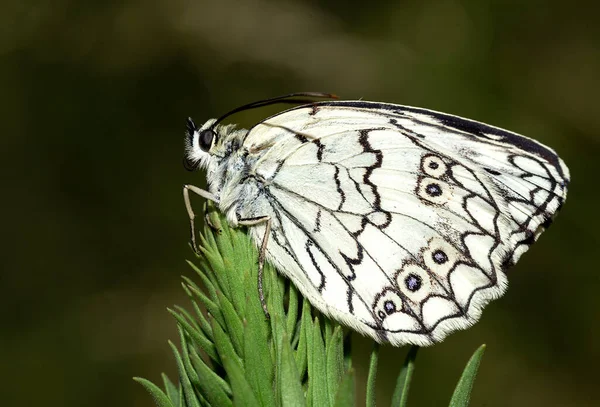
(396, 221)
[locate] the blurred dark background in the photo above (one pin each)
(93, 107)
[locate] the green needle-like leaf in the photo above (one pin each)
(198, 337)
(257, 355)
(291, 391)
(462, 393)
(211, 385)
(224, 346)
(242, 391)
(160, 398)
(292, 314)
(345, 396)
(188, 317)
(400, 397)
(206, 283)
(370, 402)
(191, 373)
(335, 363)
(234, 324)
(211, 306)
(171, 390)
(188, 391)
(318, 373)
(201, 318)
(181, 396)
(301, 352)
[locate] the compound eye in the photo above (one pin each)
(205, 140)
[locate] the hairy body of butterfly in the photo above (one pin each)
(396, 221)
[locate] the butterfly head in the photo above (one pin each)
(199, 144)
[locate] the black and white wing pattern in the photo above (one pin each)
(399, 222)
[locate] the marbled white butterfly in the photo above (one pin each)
(396, 221)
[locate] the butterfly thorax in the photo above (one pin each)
(227, 168)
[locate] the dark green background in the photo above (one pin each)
(94, 97)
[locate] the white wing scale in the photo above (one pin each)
(397, 221)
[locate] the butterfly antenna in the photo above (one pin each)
(279, 99)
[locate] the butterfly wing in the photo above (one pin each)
(398, 221)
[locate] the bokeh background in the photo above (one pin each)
(93, 107)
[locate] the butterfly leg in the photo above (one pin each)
(261, 255)
(190, 211)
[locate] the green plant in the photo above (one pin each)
(231, 354)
